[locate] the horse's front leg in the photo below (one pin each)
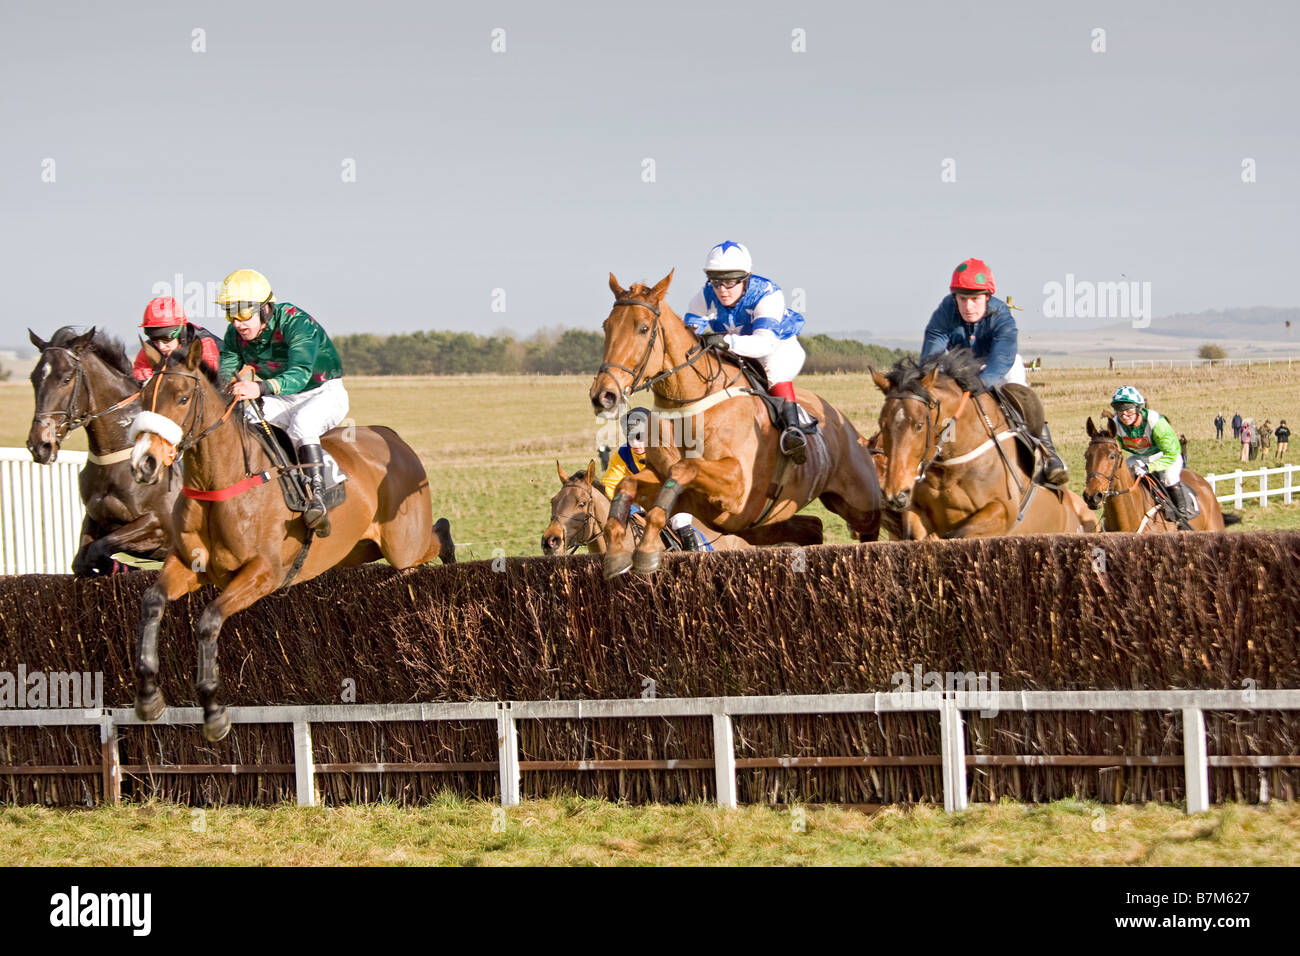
(640, 489)
(720, 480)
(174, 580)
(142, 536)
(992, 519)
(253, 582)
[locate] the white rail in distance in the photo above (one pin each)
(1284, 486)
(40, 512)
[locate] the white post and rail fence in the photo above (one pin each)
(40, 512)
(1267, 483)
(949, 707)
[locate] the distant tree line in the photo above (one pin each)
(548, 352)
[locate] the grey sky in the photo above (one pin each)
(522, 170)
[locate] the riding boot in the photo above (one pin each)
(686, 533)
(1053, 467)
(1178, 495)
(793, 444)
(313, 469)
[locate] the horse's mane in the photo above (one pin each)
(960, 365)
(108, 349)
(177, 359)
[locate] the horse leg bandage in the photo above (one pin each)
(620, 507)
(668, 496)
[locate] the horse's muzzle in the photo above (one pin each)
(43, 452)
(899, 501)
(552, 540)
(1092, 500)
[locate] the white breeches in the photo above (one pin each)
(1169, 477)
(1016, 374)
(783, 363)
(307, 415)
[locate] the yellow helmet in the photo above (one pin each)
(244, 285)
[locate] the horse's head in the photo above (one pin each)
(917, 402)
(173, 401)
(573, 511)
(634, 343)
(62, 387)
(1104, 461)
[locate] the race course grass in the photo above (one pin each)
(490, 443)
(577, 831)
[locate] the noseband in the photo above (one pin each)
(79, 384)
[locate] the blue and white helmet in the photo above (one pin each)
(728, 260)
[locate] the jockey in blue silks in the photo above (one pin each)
(747, 314)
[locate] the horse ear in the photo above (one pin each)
(1092, 429)
(614, 287)
(563, 476)
(591, 472)
(194, 354)
(662, 285)
(154, 356)
(928, 380)
(36, 340)
(83, 340)
(881, 381)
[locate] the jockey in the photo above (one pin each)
(297, 375)
(1151, 443)
(747, 314)
(630, 460)
(168, 329)
(971, 317)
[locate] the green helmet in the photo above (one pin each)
(1127, 395)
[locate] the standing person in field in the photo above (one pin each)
(1219, 422)
(747, 314)
(296, 374)
(971, 317)
(1283, 435)
(1236, 425)
(1151, 443)
(1265, 434)
(167, 329)
(1247, 434)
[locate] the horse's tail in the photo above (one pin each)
(1231, 517)
(445, 547)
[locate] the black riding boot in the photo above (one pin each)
(1178, 495)
(793, 444)
(313, 471)
(1053, 467)
(689, 537)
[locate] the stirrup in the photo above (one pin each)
(317, 516)
(794, 446)
(1055, 472)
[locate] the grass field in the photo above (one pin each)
(490, 442)
(576, 831)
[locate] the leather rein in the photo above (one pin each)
(695, 353)
(71, 422)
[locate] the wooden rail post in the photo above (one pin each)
(724, 760)
(304, 768)
(952, 741)
(1195, 762)
(508, 755)
(111, 761)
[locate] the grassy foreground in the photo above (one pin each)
(572, 830)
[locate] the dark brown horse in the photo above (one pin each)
(240, 536)
(579, 511)
(716, 447)
(1128, 504)
(85, 380)
(952, 465)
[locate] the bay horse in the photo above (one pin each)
(232, 528)
(84, 380)
(580, 510)
(716, 448)
(952, 464)
(1129, 504)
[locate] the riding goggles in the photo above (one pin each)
(726, 283)
(242, 311)
(165, 334)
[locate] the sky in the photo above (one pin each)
(483, 167)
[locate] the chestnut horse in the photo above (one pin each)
(233, 530)
(952, 463)
(1128, 504)
(85, 380)
(580, 509)
(715, 446)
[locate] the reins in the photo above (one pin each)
(79, 384)
(693, 355)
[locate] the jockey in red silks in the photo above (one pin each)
(168, 329)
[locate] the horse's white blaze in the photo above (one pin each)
(899, 415)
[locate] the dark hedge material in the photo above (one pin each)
(1186, 611)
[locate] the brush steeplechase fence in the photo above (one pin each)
(953, 759)
(800, 656)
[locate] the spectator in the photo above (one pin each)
(1182, 446)
(1283, 435)
(1219, 422)
(1265, 433)
(1236, 425)
(607, 439)
(1245, 433)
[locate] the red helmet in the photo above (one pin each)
(163, 312)
(972, 276)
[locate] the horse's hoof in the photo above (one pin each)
(216, 728)
(646, 562)
(616, 564)
(150, 708)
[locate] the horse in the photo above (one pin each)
(85, 380)
(233, 531)
(716, 448)
(580, 510)
(952, 465)
(1129, 503)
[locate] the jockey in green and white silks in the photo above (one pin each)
(1151, 442)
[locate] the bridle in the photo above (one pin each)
(589, 514)
(694, 355)
(932, 427)
(192, 417)
(1116, 456)
(71, 422)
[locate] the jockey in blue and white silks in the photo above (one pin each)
(747, 314)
